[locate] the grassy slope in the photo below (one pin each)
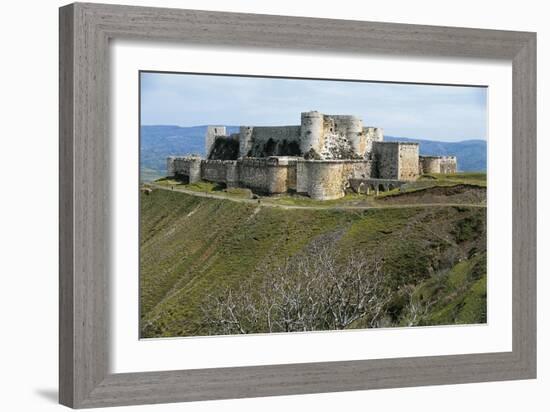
(192, 246)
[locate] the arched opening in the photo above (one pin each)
(381, 188)
(391, 186)
(371, 189)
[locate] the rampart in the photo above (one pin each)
(220, 171)
(188, 166)
(270, 175)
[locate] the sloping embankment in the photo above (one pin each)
(460, 193)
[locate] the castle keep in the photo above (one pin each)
(322, 157)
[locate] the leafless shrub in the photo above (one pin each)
(314, 291)
(417, 309)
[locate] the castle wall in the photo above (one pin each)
(170, 167)
(448, 164)
(372, 134)
(211, 133)
(187, 166)
(328, 179)
(269, 141)
(408, 161)
(271, 175)
(386, 157)
(253, 173)
(352, 128)
(217, 170)
(324, 179)
(245, 140)
(396, 160)
(357, 169)
(437, 164)
(311, 132)
(302, 180)
(430, 164)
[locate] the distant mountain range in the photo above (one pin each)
(159, 142)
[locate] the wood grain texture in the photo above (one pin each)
(85, 31)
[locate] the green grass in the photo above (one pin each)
(439, 180)
(192, 246)
(205, 187)
(301, 200)
(458, 296)
(471, 178)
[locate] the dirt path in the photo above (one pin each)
(265, 202)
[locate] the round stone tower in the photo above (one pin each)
(356, 138)
(325, 179)
(430, 164)
(311, 132)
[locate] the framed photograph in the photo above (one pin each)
(257, 205)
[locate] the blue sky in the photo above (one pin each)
(446, 113)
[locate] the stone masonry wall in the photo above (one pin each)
(395, 160)
(408, 161)
(271, 175)
(328, 179)
(324, 179)
(216, 170)
(211, 133)
(386, 157)
(253, 173)
(448, 164)
(372, 134)
(437, 164)
(429, 164)
(187, 166)
(258, 140)
(301, 177)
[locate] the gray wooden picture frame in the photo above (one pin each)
(85, 31)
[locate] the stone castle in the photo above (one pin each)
(322, 157)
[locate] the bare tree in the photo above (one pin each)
(314, 291)
(417, 309)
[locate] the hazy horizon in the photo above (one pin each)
(414, 111)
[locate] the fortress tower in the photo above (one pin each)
(311, 133)
(211, 133)
(352, 128)
(245, 140)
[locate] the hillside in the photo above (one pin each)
(192, 248)
(159, 142)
